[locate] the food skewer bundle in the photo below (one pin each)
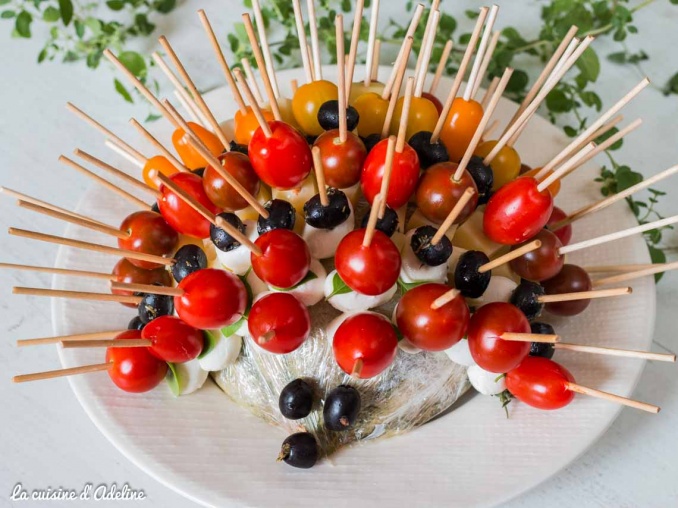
(351, 241)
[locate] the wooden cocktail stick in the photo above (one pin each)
(371, 38)
(303, 43)
(114, 147)
(150, 289)
(530, 337)
(133, 152)
(71, 338)
(372, 221)
(79, 244)
(191, 108)
(414, 22)
(452, 216)
(614, 279)
(294, 85)
(421, 68)
(489, 92)
(386, 177)
(76, 295)
(315, 45)
(353, 48)
(480, 55)
(445, 298)
(485, 63)
(405, 116)
(612, 398)
(510, 256)
(442, 64)
(159, 146)
(59, 271)
(566, 168)
(341, 76)
(584, 295)
(357, 368)
(85, 369)
(604, 129)
(619, 268)
(70, 344)
(252, 80)
(608, 351)
(258, 113)
(320, 176)
(397, 84)
(265, 48)
(376, 61)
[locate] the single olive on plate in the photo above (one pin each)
(299, 450)
(296, 400)
(341, 408)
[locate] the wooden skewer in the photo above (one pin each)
(216, 47)
(150, 289)
(604, 203)
(386, 177)
(315, 45)
(70, 338)
(341, 80)
(249, 76)
(258, 113)
(265, 48)
(453, 215)
(593, 127)
(442, 64)
(77, 295)
(68, 344)
(303, 43)
(113, 146)
(566, 168)
(619, 268)
(116, 172)
(357, 368)
(429, 36)
(294, 86)
(109, 185)
(310, 59)
(140, 158)
(107, 230)
(59, 271)
(487, 114)
(660, 268)
(79, 244)
(425, 55)
(445, 298)
(191, 108)
(353, 48)
(484, 42)
(320, 176)
(50, 374)
(377, 60)
(374, 21)
(618, 235)
(372, 221)
(414, 22)
(489, 92)
(612, 398)
(530, 337)
(393, 99)
(584, 295)
(509, 256)
(645, 355)
(485, 63)
(405, 116)
(159, 146)
(604, 129)
(490, 129)
(456, 84)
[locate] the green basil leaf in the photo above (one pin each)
(589, 65)
(134, 62)
(657, 256)
(66, 9)
(51, 14)
(115, 5)
(120, 88)
(173, 380)
(211, 339)
(22, 24)
(339, 287)
(309, 276)
(7, 14)
(230, 330)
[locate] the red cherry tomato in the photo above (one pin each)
(369, 270)
(188, 154)
(432, 329)
(342, 162)
(285, 258)
(126, 272)
(279, 323)
(404, 175)
(436, 102)
(517, 211)
(134, 369)
(173, 340)
(282, 161)
(220, 192)
(149, 233)
(179, 214)
(564, 233)
(570, 279)
(438, 192)
(460, 127)
(542, 263)
(541, 383)
(368, 337)
(212, 299)
(488, 350)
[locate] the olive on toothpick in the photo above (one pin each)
(281, 216)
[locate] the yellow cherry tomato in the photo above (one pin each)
(246, 124)
(358, 88)
(554, 188)
(423, 116)
(307, 101)
(460, 126)
(505, 166)
(191, 158)
(161, 165)
(372, 110)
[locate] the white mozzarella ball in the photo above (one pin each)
(499, 290)
(310, 292)
(190, 376)
(413, 270)
(323, 242)
(461, 354)
(257, 286)
(354, 301)
(238, 259)
(225, 351)
(457, 252)
(485, 382)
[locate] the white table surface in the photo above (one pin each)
(48, 441)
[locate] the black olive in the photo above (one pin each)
(371, 141)
(483, 176)
(200, 172)
(543, 349)
(526, 298)
(135, 324)
(426, 252)
(330, 216)
(341, 408)
(188, 259)
(299, 450)
(221, 239)
(155, 208)
(153, 306)
(328, 116)
(429, 153)
(296, 400)
(310, 139)
(235, 147)
(281, 216)
(387, 224)
(467, 278)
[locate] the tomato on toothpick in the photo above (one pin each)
(149, 233)
(285, 258)
(307, 102)
(128, 273)
(342, 162)
(246, 124)
(438, 192)
(434, 100)
(563, 233)
(423, 116)
(505, 165)
(460, 126)
(279, 323)
(220, 192)
(541, 383)
(172, 340)
(134, 369)
(161, 165)
(190, 157)
(542, 263)
(365, 344)
(372, 109)
(570, 279)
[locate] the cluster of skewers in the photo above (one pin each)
(231, 248)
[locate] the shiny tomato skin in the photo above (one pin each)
(125, 271)
(432, 329)
(570, 279)
(542, 263)
(220, 192)
(160, 164)
(460, 126)
(285, 258)
(342, 162)
(282, 161)
(246, 124)
(283, 314)
(436, 102)
(173, 340)
(488, 350)
(404, 175)
(189, 156)
(564, 233)
(150, 234)
(134, 369)
(517, 211)
(541, 383)
(212, 299)
(371, 270)
(179, 214)
(438, 192)
(366, 336)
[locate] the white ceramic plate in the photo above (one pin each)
(217, 454)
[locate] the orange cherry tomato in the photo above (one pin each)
(372, 110)
(188, 155)
(505, 166)
(246, 124)
(423, 116)
(307, 101)
(161, 165)
(460, 126)
(554, 188)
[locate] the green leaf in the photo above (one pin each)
(42, 55)
(406, 286)
(518, 81)
(627, 178)
(671, 86)
(657, 255)
(570, 131)
(66, 8)
(115, 5)
(346, 5)
(558, 102)
(142, 24)
(211, 338)
(608, 134)
(230, 330)
(22, 24)
(119, 87)
(4, 2)
(92, 23)
(134, 62)
(618, 57)
(152, 118)
(589, 65)
(93, 59)
(7, 14)
(173, 380)
(51, 14)
(339, 287)
(165, 6)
